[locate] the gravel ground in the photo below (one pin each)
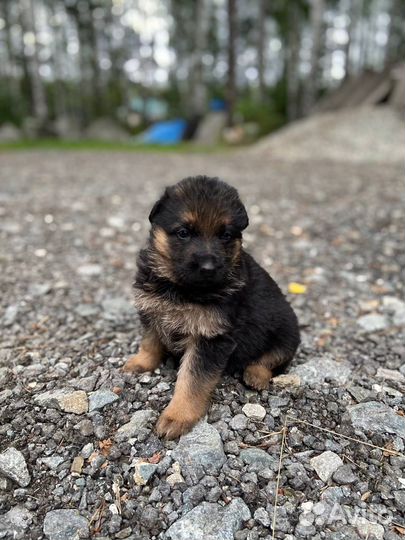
(78, 454)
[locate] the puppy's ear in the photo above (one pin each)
(158, 206)
(242, 219)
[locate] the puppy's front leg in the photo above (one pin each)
(149, 356)
(201, 368)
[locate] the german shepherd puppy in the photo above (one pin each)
(202, 298)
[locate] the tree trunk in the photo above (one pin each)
(292, 62)
(231, 83)
(40, 109)
(198, 92)
(316, 21)
(261, 44)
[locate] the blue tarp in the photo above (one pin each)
(169, 132)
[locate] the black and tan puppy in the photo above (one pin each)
(203, 298)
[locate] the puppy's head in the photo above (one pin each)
(196, 232)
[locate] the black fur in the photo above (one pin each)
(260, 320)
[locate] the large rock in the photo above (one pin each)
(377, 417)
(138, 420)
(13, 465)
(323, 368)
(15, 522)
(201, 449)
(105, 129)
(65, 525)
(9, 133)
(210, 521)
(68, 401)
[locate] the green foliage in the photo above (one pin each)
(269, 115)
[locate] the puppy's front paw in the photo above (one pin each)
(172, 424)
(257, 376)
(137, 364)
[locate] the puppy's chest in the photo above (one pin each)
(176, 323)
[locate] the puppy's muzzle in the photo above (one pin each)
(207, 265)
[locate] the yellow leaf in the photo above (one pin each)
(297, 288)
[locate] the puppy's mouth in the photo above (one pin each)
(205, 279)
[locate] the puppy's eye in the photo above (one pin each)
(226, 235)
(183, 233)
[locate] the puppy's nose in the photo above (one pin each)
(207, 265)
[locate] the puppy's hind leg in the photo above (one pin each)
(258, 374)
(149, 356)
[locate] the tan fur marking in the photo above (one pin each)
(187, 319)
(161, 242)
(237, 250)
(189, 217)
(149, 356)
(190, 400)
(259, 374)
(161, 257)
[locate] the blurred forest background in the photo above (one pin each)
(69, 68)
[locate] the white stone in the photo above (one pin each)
(254, 411)
(326, 464)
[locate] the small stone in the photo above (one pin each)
(344, 533)
(376, 417)
(52, 462)
(359, 393)
(210, 521)
(143, 472)
(390, 375)
(287, 379)
(396, 307)
(344, 475)
(5, 394)
(201, 449)
(239, 422)
(368, 529)
(257, 456)
(65, 525)
(326, 464)
(117, 308)
(13, 466)
(10, 315)
(71, 402)
(254, 411)
(262, 517)
(124, 533)
(372, 322)
(89, 270)
(138, 421)
(399, 497)
(77, 465)
(318, 370)
(101, 398)
(39, 289)
(175, 477)
(86, 310)
(87, 450)
(85, 427)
